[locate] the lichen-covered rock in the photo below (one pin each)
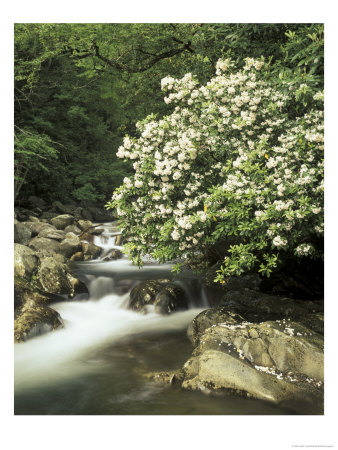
(48, 246)
(34, 320)
(280, 361)
(22, 233)
(25, 261)
(90, 251)
(215, 370)
(70, 245)
(62, 221)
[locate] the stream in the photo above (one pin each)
(95, 364)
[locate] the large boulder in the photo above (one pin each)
(45, 245)
(35, 319)
(22, 233)
(144, 294)
(281, 361)
(25, 261)
(62, 221)
(70, 245)
(90, 251)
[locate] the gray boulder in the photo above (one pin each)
(70, 245)
(22, 233)
(25, 261)
(62, 221)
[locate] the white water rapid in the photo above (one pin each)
(93, 324)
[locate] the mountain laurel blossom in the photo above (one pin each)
(231, 179)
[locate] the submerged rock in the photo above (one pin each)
(281, 361)
(113, 255)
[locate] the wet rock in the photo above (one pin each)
(170, 378)
(119, 240)
(51, 232)
(25, 261)
(77, 286)
(165, 297)
(170, 298)
(62, 221)
(96, 231)
(70, 245)
(90, 251)
(114, 255)
(78, 256)
(22, 233)
(144, 294)
(35, 319)
(44, 245)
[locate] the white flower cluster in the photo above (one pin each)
(226, 145)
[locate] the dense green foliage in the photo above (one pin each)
(79, 88)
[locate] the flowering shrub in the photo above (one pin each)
(233, 178)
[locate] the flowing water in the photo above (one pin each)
(96, 363)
